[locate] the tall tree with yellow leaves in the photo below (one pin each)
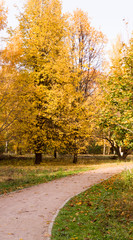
(87, 46)
(9, 93)
(3, 87)
(13, 86)
(47, 62)
(86, 49)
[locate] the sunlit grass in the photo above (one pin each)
(104, 212)
(18, 173)
(14, 178)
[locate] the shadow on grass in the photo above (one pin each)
(62, 160)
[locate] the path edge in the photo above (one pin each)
(85, 189)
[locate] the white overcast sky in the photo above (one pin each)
(106, 15)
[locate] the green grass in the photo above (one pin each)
(20, 172)
(104, 212)
(16, 178)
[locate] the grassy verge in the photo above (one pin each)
(20, 172)
(15, 178)
(104, 212)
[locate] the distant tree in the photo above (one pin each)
(13, 86)
(3, 15)
(116, 113)
(87, 46)
(86, 51)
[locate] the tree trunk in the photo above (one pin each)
(6, 147)
(122, 154)
(38, 158)
(104, 148)
(108, 150)
(75, 159)
(55, 153)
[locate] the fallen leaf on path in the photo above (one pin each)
(47, 235)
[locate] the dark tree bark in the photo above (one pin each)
(125, 152)
(38, 158)
(19, 150)
(75, 159)
(55, 153)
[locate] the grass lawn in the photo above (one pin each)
(16, 178)
(19, 172)
(104, 212)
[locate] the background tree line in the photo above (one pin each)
(54, 92)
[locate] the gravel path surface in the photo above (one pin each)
(28, 214)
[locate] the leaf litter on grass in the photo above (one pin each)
(103, 212)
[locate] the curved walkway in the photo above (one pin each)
(28, 214)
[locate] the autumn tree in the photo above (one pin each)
(45, 56)
(3, 15)
(116, 115)
(3, 22)
(54, 60)
(13, 86)
(86, 49)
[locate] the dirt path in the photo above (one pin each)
(27, 214)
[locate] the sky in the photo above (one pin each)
(105, 15)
